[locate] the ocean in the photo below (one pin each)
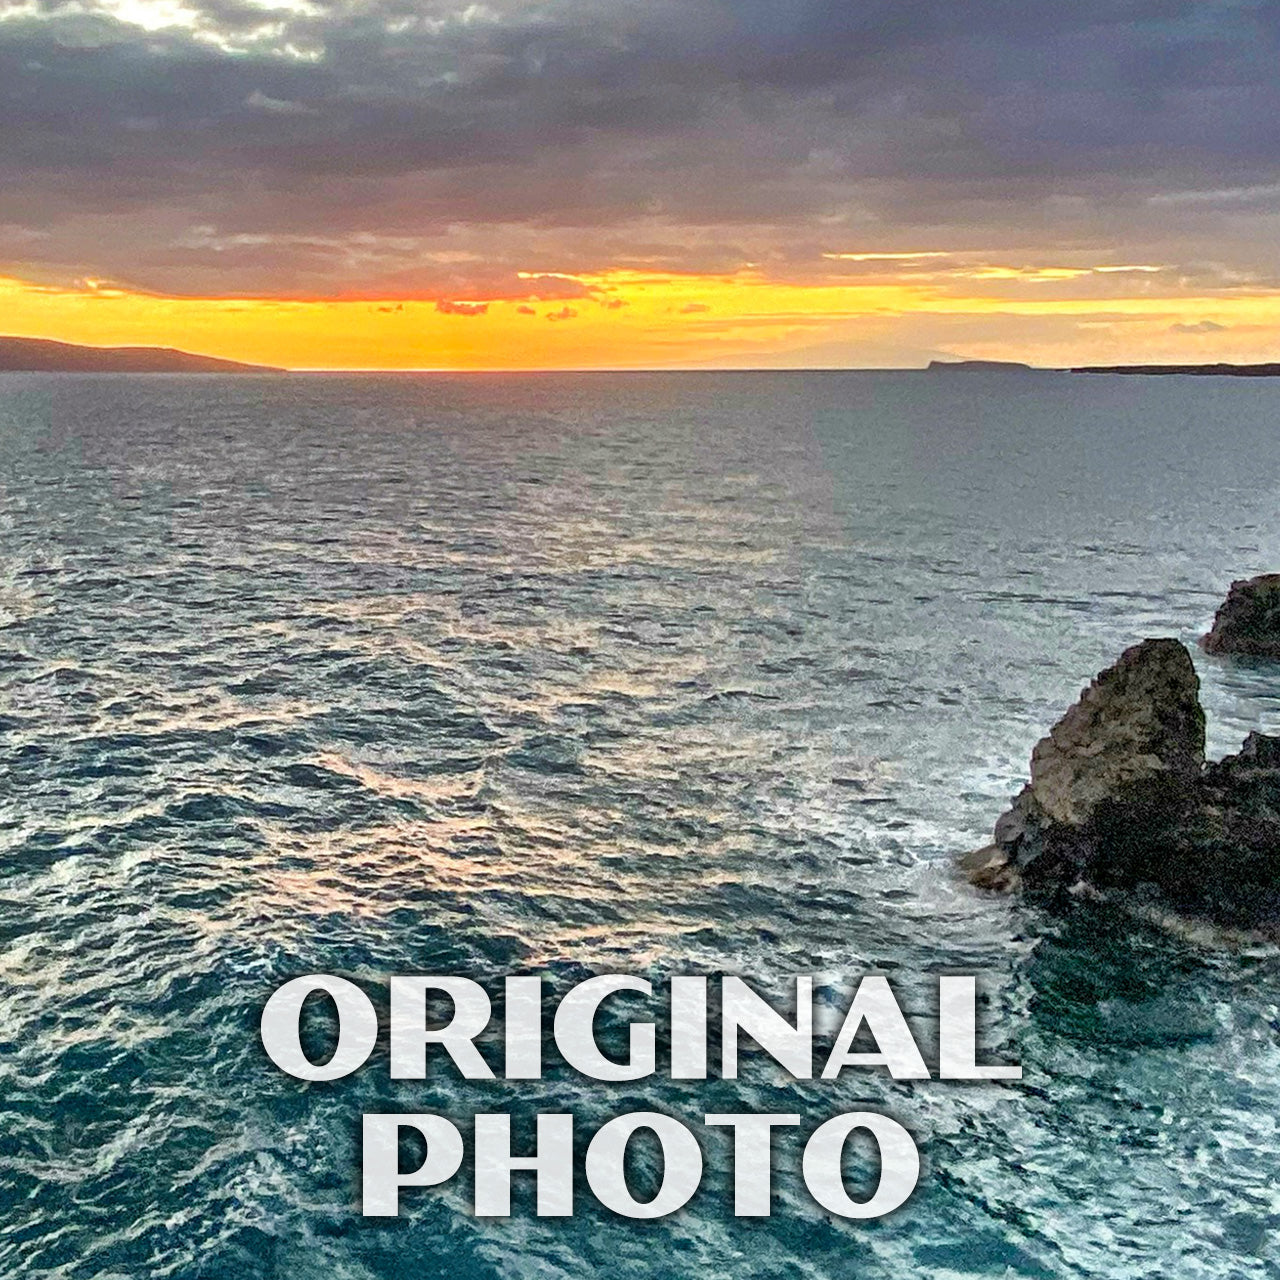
(603, 673)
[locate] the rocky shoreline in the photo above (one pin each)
(1122, 801)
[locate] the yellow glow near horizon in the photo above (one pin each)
(636, 320)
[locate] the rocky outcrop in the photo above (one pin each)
(1121, 799)
(1248, 621)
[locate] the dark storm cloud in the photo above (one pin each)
(441, 148)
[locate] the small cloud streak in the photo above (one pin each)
(1200, 326)
(259, 101)
(447, 308)
(884, 257)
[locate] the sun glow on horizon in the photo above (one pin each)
(914, 310)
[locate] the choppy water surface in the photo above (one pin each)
(652, 674)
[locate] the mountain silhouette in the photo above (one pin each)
(39, 355)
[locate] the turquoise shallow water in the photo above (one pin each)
(597, 673)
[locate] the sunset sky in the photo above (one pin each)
(639, 183)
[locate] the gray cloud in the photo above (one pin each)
(440, 149)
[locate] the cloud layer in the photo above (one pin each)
(471, 152)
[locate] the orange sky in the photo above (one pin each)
(570, 184)
(1044, 315)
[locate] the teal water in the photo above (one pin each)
(597, 673)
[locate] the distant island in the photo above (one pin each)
(1205, 370)
(978, 366)
(39, 355)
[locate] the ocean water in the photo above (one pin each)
(653, 674)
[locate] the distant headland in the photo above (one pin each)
(39, 355)
(1203, 370)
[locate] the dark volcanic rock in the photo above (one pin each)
(1136, 735)
(1121, 799)
(1223, 860)
(1248, 620)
